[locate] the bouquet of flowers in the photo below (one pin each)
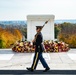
(50, 46)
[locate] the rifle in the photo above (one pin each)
(45, 23)
(41, 29)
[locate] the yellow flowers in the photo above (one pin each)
(50, 46)
(21, 43)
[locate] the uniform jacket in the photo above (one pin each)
(38, 43)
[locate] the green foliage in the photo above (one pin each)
(56, 31)
(68, 28)
(7, 38)
(68, 34)
(2, 45)
(24, 31)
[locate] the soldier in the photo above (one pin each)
(38, 51)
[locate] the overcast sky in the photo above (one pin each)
(19, 9)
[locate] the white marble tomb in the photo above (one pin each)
(39, 20)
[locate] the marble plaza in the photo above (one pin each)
(10, 60)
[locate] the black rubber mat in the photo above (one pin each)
(38, 72)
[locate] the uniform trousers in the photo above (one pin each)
(38, 56)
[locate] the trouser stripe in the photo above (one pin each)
(35, 60)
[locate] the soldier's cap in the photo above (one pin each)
(39, 27)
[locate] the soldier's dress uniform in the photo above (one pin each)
(38, 53)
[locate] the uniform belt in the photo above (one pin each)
(40, 44)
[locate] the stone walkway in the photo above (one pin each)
(19, 61)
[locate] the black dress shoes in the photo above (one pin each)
(30, 69)
(47, 69)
